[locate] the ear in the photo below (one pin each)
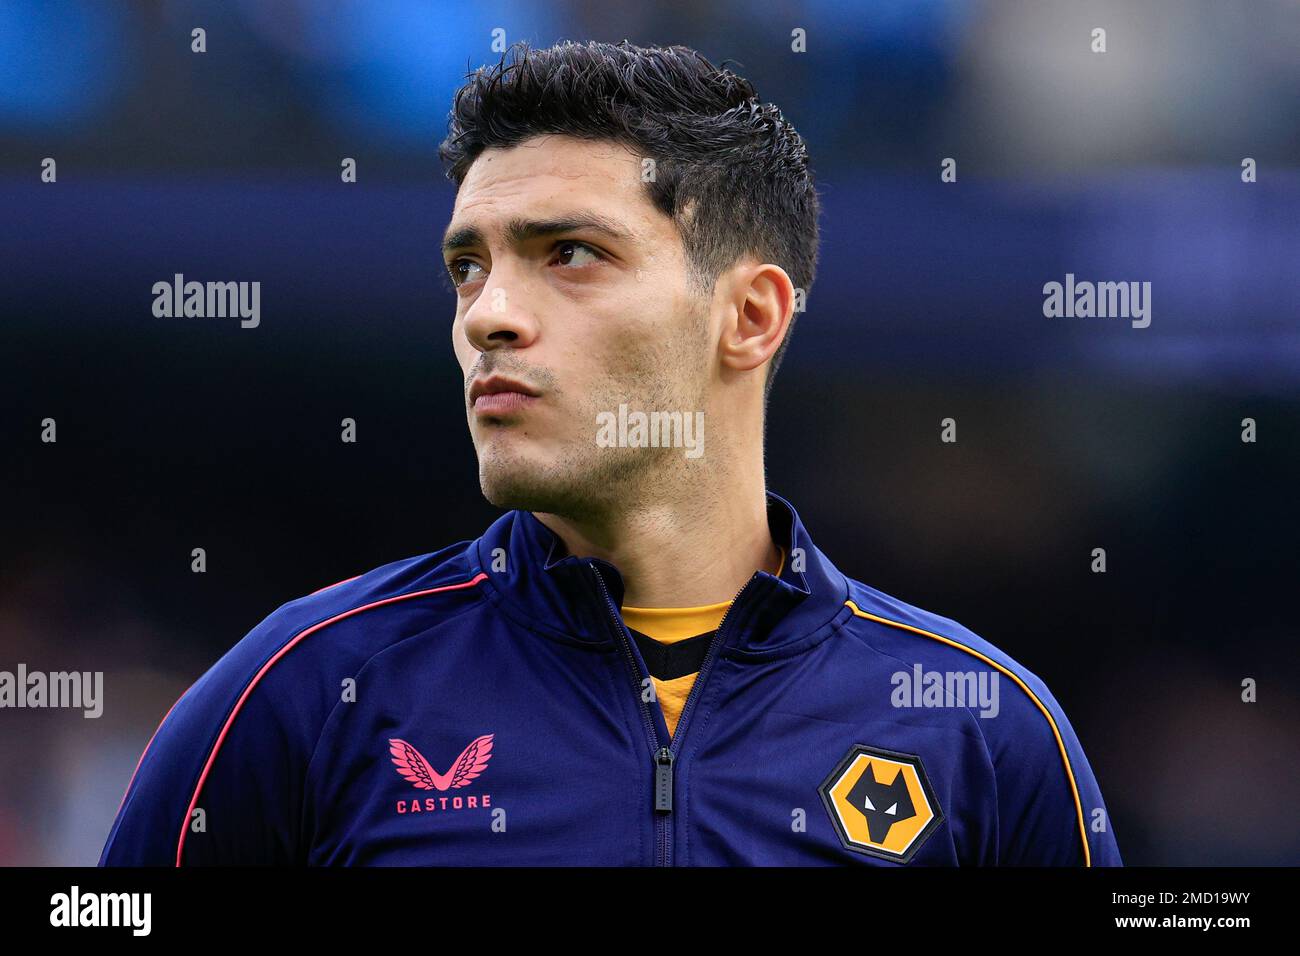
(762, 300)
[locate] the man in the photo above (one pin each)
(645, 660)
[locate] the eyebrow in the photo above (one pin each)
(519, 231)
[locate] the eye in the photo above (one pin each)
(461, 271)
(571, 253)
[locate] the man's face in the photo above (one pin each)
(556, 323)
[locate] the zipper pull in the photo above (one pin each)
(664, 780)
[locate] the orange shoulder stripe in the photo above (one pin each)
(1065, 757)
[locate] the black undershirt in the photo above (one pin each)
(670, 661)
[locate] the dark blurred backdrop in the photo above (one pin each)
(1073, 433)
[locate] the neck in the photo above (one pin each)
(698, 545)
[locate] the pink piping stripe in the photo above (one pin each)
(335, 584)
(212, 756)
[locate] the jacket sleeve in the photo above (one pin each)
(221, 781)
(1049, 803)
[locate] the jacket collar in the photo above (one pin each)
(533, 581)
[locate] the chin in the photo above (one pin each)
(572, 487)
(514, 481)
(511, 489)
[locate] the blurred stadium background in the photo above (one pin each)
(1073, 434)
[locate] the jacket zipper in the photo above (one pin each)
(665, 757)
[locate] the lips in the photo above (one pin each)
(497, 394)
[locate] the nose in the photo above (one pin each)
(499, 316)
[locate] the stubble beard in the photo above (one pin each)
(582, 481)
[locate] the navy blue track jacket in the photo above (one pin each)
(484, 705)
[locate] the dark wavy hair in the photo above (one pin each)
(730, 171)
